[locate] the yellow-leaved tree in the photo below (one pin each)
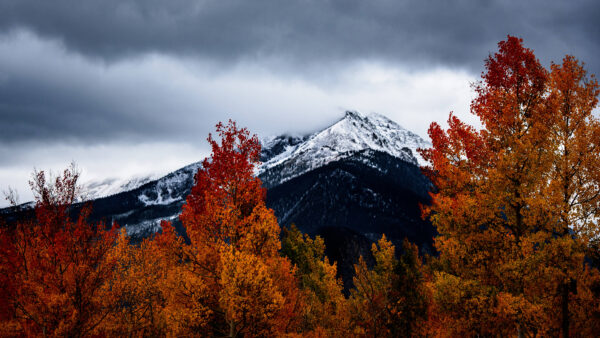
(389, 299)
(327, 310)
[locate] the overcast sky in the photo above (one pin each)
(126, 87)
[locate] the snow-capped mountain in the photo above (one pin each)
(276, 145)
(292, 156)
(349, 183)
(354, 132)
(283, 157)
(287, 156)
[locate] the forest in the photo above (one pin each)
(516, 204)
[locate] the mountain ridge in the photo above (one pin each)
(352, 133)
(297, 154)
(355, 138)
(349, 183)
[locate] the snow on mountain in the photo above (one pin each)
(284, 157)
(171, 188)
(165, 185)
(354, 140)
(275, 145)
(353, 133)
(96, 189)
(288, 156)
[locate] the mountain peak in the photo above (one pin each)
(353, 133)
(353, 114)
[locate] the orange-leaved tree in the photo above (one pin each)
(229, 279)
(53, 269)
(574, 191)
(516, 202)
(137, 290)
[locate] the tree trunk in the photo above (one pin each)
(232, 332)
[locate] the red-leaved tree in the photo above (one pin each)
(53, 269)
(230, 279)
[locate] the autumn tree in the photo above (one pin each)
(327, 310)
(136, 289)
(516, 202)
(53, 268)
(230, 279)
(574, 190)
(408, 293)
(372, 308)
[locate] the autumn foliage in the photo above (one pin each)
(53, 269)
(516, 205)
(326, 310)
(230, 279)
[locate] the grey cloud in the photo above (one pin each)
(419, 32)
(49, 94)
(83, 70)
(32, 109)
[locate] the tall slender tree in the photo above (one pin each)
(574, 189)
(326, 312)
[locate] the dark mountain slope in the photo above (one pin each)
(353, 201)
(382, 196)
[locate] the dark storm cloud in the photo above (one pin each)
(31, 110)
(50, 94)
(455, 33)
(47, 107)
(75, 82)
